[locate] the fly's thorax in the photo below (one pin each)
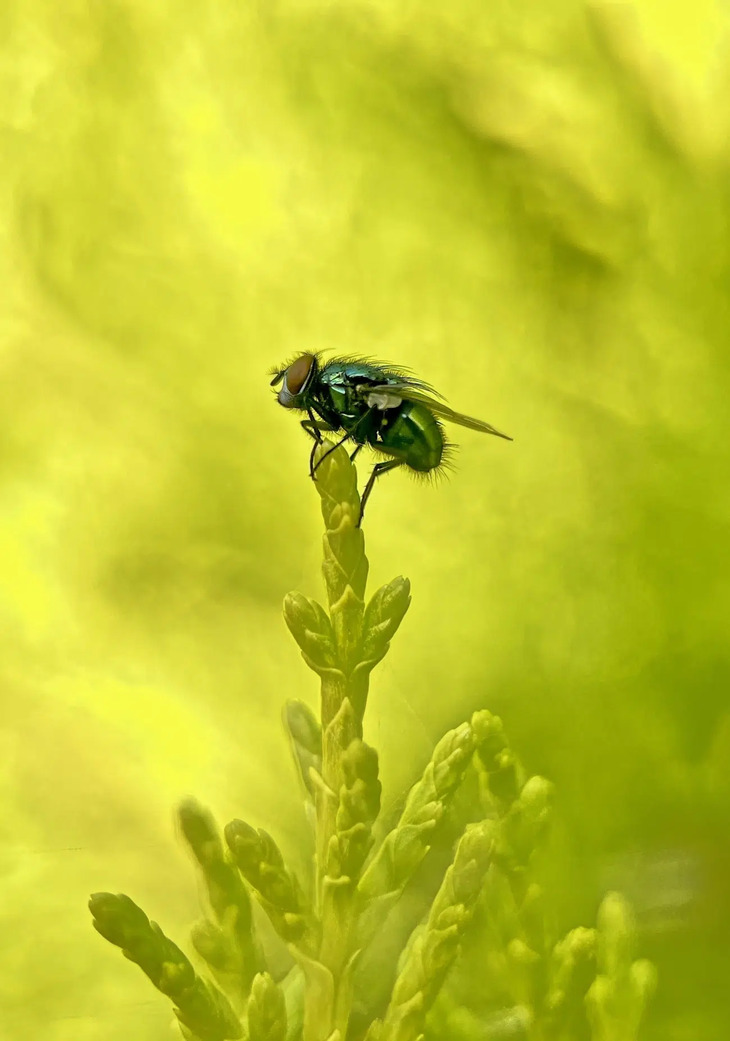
(412, 433)
(337, 396)
(340, 404)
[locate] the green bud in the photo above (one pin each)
(303, 727)
(200, 831)
(213, 946)
(336, 479)
(489, 737)
(311, 628)
(123, 923)
(617, 998)
(207, 1014)
(359, 805)
(537, 798)
(521, 954)
(450, 759)
(383, 616)
(266, 1010)
(359, 762)
(199, 1006)
(617, 932)
(503, 781)
(644, 975)
(573, 967)
(523, 826)
(305, 735)
(375, 1031)
(227, 894)
(259, 860)
(118, 919)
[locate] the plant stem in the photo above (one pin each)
(343, 696)
(339, 770)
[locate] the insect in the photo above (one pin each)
(377, 405)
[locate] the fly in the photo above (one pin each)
(376, 405)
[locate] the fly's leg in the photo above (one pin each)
(329, 451)
(315, 428)
(350, 434)
(378, 470)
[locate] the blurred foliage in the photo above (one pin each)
(529, 205)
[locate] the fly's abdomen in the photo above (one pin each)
(411, 433)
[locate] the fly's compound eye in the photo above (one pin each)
(298, 373)
(296, 378)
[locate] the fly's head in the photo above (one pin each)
(296, 380)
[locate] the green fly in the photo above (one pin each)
(377, 405)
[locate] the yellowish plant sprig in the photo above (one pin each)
(358, 810)
(435, 945)
(554, 983)
(359, 806)
(203, 1012)
(305, 735)
(522, 812)
(345, 570)
(617, 998)
(500, 774)
(337, 646)
(266, 1010)
(259, 860)
(361, 635)
(229, 944)
(342, 648)
(312, 629)
(518, 836)
(572, 969)
(522, 831)
(405, 846)
(523, 808)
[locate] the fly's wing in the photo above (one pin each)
(409, 391)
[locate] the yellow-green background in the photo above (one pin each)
(526, 203)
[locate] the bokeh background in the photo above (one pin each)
(526, 203)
